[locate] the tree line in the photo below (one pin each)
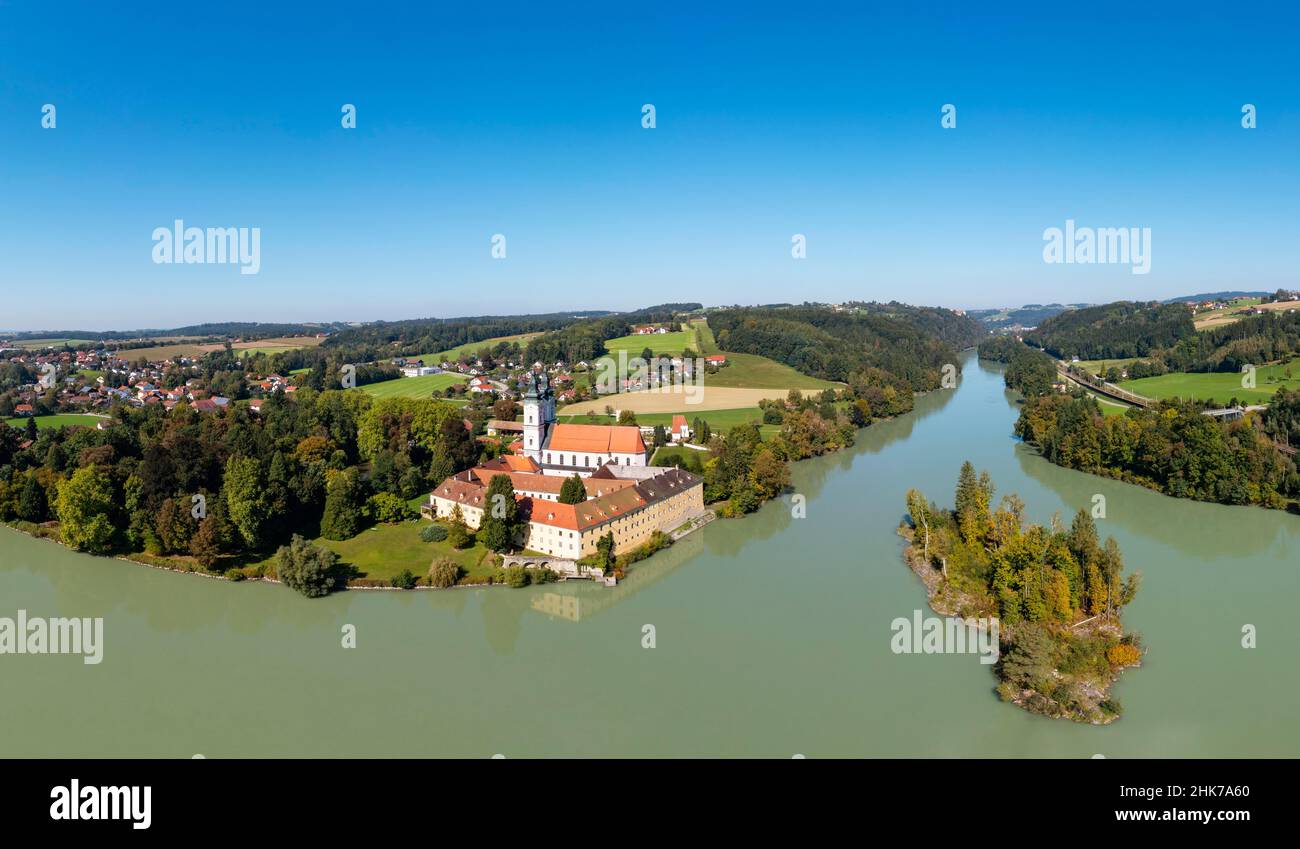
(1173, 448)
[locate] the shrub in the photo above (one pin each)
(444, 572)
(460, 537)
(306, 567)
(404, 581)
(516, 576)
(1124, 655)
(433, 533)
(387, 508)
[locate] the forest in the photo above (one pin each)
(902, 347)
(223, 487)
(1057, 594)
(1029, 371)
(1165, 337)
(1173, 448)
(1112, 331)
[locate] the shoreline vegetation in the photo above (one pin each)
(322, 486)
(1174, 447)
(1055, 594)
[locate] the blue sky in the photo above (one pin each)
(525, 120)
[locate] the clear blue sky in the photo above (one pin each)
(525, 119)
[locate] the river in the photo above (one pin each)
(772, 637)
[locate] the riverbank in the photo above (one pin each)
(212, 667)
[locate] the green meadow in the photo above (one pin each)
(413, 387)
(58, 420)
(1219, 387)
(659, 343)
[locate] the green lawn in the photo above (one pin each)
(660, 343)
(1219, 387)
(413, 387)
(704, 341)
(58, 421)
(268, 350)
(750, 371)
(38, 344)
(385, 551)
(668, 452)
(453, 354)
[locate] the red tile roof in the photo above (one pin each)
(596, 439)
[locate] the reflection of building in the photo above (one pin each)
(567, 449)
(574, 602)
(631, 503)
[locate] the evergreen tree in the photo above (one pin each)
(500, 515)
(344, 500)
(573, 491)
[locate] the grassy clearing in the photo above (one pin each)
(660, 343)
(750, 371)
(385, 551)
(40, 344)
(1095, 367)
(1218, 386)
(704, 341)
(413, 387)
(58, 420)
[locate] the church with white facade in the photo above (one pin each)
(567, 449)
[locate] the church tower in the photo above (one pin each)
(534, 419)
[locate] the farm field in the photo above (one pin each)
(412, 387)
(38, 344)
(750, 371)
(653, 401)
(1238, 309)
(473, 347)
(194, 349)
(1219, 387)
(717, 419)
(58, 420)
(660, 343)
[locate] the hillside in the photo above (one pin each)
(1110, 331)
(895, 344)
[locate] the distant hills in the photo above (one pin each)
(1215, 296)
(1029, 315)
